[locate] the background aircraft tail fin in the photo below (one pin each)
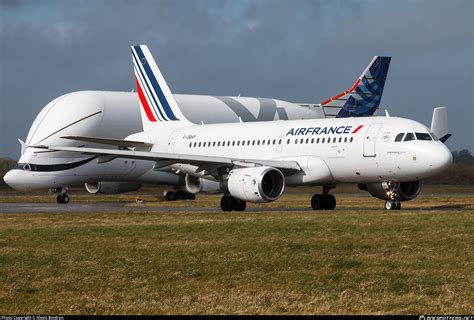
(367, 92)
(156, 100)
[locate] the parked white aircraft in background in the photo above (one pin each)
(116, 115)
(255, 161)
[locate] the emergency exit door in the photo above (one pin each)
(371, 139)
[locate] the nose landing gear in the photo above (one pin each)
(63, 197)
(392, 202)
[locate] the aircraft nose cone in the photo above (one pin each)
(443, 159)
(9, 178)
(14, 180)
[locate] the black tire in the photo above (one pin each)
(330, 202)
(227, 203)
(59, 198)
(317, 202)
(389, 205)
(398, 205)
(240, 205)
(65, 198)
(171, 196)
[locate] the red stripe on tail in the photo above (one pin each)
(144, 103)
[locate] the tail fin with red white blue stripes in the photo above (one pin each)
(156, 100)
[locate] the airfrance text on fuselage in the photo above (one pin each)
(319, 130)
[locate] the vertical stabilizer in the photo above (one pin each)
(156, 100)
(367, 92)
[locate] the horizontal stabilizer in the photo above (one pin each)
(110, 142)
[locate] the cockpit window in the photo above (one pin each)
(410, 136)
(399, 137)
(423, 136)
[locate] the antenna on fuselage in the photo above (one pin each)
(387, 114)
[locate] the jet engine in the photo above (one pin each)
(194, 185)
(406, 190)
(258, 184)
(111, 187)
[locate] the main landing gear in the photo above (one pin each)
(179, 195)
(392, 202)
(229, 203)
(62, 196)
(324, 201)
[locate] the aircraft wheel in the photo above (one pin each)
(62, 198)
(65, 198)
(390, 205)
(317, 202)
(240, 205)
(227, 203)
(59, 198)
(330, 202)
(398, 205)
(171, 196)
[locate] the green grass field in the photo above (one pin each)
(414, 261)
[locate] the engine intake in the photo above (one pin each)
(111, 187)
(406, 190)
(258, 184)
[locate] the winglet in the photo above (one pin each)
(23, 146)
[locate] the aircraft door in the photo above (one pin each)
(172, 141)
(279, 144)
(371, 139)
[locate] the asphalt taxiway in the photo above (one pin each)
(129, 207)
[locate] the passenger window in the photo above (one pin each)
(279, 141)
(238, 143)
(253, 142)
(340, 139)
(263, 142)
(195, 144)
(312, 140)
(190, 144)
(410, 136)
(333, 140)
(288, 141)
(233, 143)
(317, 140)
(322, 140)
(296, 141)
(345, 139)
(258, 142)
(352, 139)
(423, 136)
(307, 140)
(301, 141)
(399, 137)
(269, 141)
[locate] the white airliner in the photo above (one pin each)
(255, 161)
(116, 115)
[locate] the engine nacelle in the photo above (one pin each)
(406, 190)
(194, 185)
(111, 187)
(258, 184)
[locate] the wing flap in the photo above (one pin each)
(180, 158)
(111, 142)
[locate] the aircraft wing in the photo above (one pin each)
(108, 141)
(287, 167)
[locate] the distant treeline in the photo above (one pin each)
(461, 172)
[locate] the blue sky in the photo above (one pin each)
(300, 51)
